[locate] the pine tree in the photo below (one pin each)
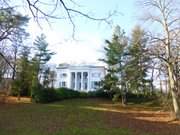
(136, 67)
(22, 82)
(43, 55)
(114, 53)
(34, 73)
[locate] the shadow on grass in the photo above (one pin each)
(152, 122)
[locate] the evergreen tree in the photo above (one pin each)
(22, 82)
(114, 53)
(46, 77)
(43, 55)
(136, 67)
(34, 73)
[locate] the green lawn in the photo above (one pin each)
(69, 117)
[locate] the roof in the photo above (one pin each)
(67, 66)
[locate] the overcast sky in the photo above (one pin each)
(90, 35)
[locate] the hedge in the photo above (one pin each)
(46, 95)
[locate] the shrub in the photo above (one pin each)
(44, 95)
(65, 93)
(102, 94)
(139, 98)
(116, 97)
(15, 90)
(83, 94)
(98, 93)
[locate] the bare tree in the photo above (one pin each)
(59, 9)
(10, 23)
(3, 64)
(17, 45)
(165, 15)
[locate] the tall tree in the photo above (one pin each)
(46, 77)
(114, 59)
(34, 72)
(22, 82)
(165, 14)
(137, 65)
(17, 43)
(42, 54)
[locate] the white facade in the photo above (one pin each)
(82, 78)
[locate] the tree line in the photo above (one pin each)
(132, 61)
(23, 66)
(127, 64)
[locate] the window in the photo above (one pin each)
(85, 86)
(95, 84)
(73, 75)
(85, 75)
(62, 84)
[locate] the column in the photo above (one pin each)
(86, 80)
(68, 80)
(72, 80)
(75, 80)
(89, 81)
(82, 81)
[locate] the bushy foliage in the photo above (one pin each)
(140, 97)
(65, 93)
(22, 83)
(46, 95)
(15, 88)
(83, 94)
(116, 97)
(99, 93)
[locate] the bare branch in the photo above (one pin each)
(7, 61)
(38, 12)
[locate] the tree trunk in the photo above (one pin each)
(123, 95)
(152, 79)
(173, 92)
(123, 101)
(161, 89)
(19, 96)
(14, 62)
(166, 86)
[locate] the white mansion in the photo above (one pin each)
(85, 78)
